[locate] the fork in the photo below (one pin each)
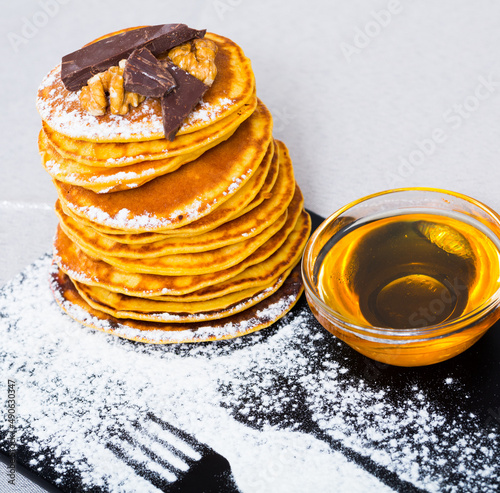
(171, 459)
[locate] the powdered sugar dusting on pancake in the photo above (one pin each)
(123, 219)
(61, 110)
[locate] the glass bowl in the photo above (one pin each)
(407, 277)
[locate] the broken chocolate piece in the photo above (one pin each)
(177, 104)
(144, 74)
(78, 67)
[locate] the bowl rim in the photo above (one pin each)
(446, 327)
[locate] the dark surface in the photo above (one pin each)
(477, 370)
(34, 478)
(145, 75)
(78, 67)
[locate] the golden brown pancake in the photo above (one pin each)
(176, 312)
(244, 227)
(176, 199)
(255, 318)
(261, 183)
(192, 264)
(121, 303)
(118, 154)
(105, 180)
(88, 270)
(111, 179)
(232, 88)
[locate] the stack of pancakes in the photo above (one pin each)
(162, 241)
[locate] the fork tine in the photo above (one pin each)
(172, 460)
(162, 482)
(177, 433)
(171, 442)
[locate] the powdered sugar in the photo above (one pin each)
(121, 176)
(192, 212)
(206, 112)
(236, 184)
(123, 219)
(61, 109)
(289, 407)
(63, 113)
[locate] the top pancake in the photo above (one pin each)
(120, 154)
(232, 87)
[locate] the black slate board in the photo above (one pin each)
(477, 370)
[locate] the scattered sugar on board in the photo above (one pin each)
(250, 399)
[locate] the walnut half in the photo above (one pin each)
(93, 96)
(196, 57)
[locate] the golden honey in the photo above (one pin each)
(408, 277)
(409, 271)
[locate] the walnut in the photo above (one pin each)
(196, 57)
(93, 95)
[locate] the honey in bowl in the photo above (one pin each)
(403, 283)
(409, 271)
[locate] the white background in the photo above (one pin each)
(350, 107)
(356, 91)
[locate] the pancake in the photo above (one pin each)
(112, 179)
(232, 88)
(193, 191)
(111, 154)
(186, 240)
(258, 317)
(182, 312)
(105, 180)
(260, 183)
(244, 227)
(87, 270)
(192, 264)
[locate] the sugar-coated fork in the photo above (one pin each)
(171, 459)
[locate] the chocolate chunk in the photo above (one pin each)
(144, 74)
(177, 104)
(78, 67)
